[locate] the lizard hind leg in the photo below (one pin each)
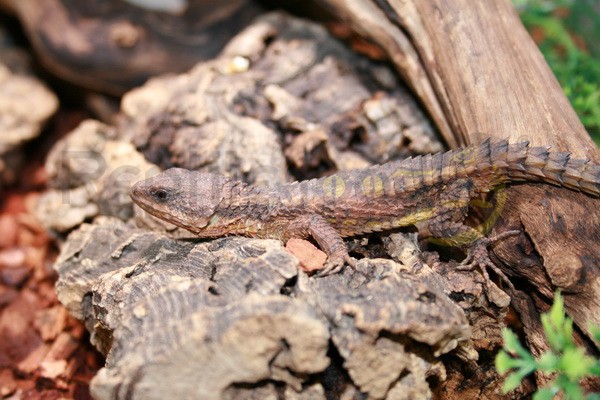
(478, 256)
(448, 228)
(333, 265)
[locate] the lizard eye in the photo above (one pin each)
(161, 194)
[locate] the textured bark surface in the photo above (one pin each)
(20, 121)
(480, 75)
(208, 317)
(233, 317)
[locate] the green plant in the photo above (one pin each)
(565, 359)
(577, 71)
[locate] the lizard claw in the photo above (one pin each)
(335, 264)
(478, 256)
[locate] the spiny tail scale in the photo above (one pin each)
(557, 168)
(500, 162)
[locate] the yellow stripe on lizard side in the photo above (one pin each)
(413, 218)
(334, 186)
(372, 186)
(467, 156)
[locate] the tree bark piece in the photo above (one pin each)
(210, 315)
(294, 86)
(90, 172)
(406, 306)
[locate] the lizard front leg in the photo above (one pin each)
(328, 239)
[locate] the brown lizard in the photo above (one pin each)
(435, 189)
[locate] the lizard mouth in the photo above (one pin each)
(140, 196)
(137, 195)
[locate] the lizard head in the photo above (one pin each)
(185, 198)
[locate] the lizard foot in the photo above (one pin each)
(478, 256)
(335, 263)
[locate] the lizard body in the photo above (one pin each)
(435, 189)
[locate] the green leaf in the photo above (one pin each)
(514, 379)
(572, 390)
(544, 394)
(555, 340)
(504, 362)
(557, 312)
(568, 332)
(548, 362)
(595, 370)
(558, 328)
(595, 331)
(512, 344)
(575, 364)
(511, 382)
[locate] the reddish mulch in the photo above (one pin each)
(44, 352)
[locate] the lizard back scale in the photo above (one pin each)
(432, 189)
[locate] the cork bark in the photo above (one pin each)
(20, 121)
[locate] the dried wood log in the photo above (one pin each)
(112, 46)
(234, 317)
(480, 75)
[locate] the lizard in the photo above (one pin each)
(433, 189)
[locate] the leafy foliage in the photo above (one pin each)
(565, 359)
(577, 71)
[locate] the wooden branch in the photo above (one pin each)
(485, 71)
(476, 63)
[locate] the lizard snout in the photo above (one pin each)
(136, 191)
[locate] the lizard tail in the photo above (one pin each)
(520, 162)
